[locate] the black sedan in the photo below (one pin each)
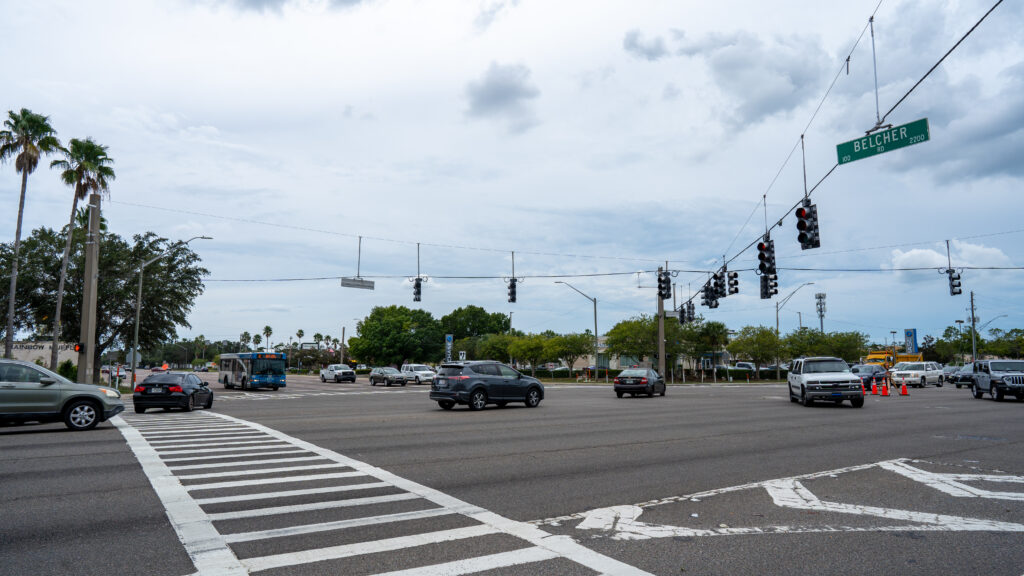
(387, 376)
(962, 377)
(172, 390)
(639, 381)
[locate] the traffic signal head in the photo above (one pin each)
(690, 314)
(80, 347)
(766, 255)
(734, 283)
(807, 225)
(773, 285)
(764, 288)
(417, 289)
(664, 285)
(512, 290)
(954, 282)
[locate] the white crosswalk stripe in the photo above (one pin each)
(190, 467)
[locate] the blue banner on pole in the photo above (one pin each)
(910, 338)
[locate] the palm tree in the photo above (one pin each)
(25, 136)
(298, 336)
(267, 331)
(318, 338)
(86, 167)
(256, 339)
(244, 340)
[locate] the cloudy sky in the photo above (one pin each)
(594, 139)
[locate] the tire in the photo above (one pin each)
(373, 382)
(81, 415)
(924, 382)
(939, 383)
(619, 394)
(663, 390)
(322, 379)
(140, 410)
(532, 398)
(792, 398)
(977, 393)
(191, 404)
(857, 402)
(650, 392)
(446, 404)
(244, 384)
(209, 402)
(403, 383)
(337, 380)
(387, 383)
(274, 388)
(477, 400)
(958, 386)
(996, 393)
(804, 398)
(226, 385)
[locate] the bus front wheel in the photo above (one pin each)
(226, 385)
(243, 384)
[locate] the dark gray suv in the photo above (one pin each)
(999, 378)
(30, 393)
(483, 382)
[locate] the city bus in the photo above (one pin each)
(250, 370)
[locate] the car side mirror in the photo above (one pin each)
(47, 381)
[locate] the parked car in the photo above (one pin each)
(963, 376)
(418, 373)
(949, 372)
(998, 378)
(869, 374)
(338, 373)
(114, 371)
(481, 382)
(360, 366)
(172, 390)
(918, 374)
(824, 378)
(639, 381)
(746, 366)
(31, 393)
(387, 376)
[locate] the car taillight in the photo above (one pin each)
(459, 378)
(643, 380)
(617, 380)
(139, 388)
(175, 389)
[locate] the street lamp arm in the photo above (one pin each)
(172, 247)
(791, 294)
(577, 290)
(982, 327)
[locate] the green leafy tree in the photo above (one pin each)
(758, 344)
(570, 347)
(849, 346)
(470, 321)
(495, 347)
(636, 337)
(805, 342)
(165, 305)
(712, 337)
(86, 168)
(391, 335)
(531, 349)
(26, 136)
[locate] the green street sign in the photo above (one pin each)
(884, 141)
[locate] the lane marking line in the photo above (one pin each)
(258, 471)
(266, 481)
(480, 564)
(337, 525)
(244, 463)
(287, 493)
(275, 510)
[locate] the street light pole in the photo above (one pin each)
(960, 340)
(778, 306)
(138, 297)
(594, 301)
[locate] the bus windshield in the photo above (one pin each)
(268, 366)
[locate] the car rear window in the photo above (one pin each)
(633, 373)
(450, 370)
(914, 367)
(164, 379)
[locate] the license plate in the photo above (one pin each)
(155, 391)
(837, 393)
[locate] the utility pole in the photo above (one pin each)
(820, 297)
(661, 330)
(974, 339)
(86, 357)
(342, 345)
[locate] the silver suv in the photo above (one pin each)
(418, 373)
(824, 378)
(31, 393)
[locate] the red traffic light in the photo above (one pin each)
(802, 212)
(79, 347)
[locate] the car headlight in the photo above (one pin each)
(111, 393)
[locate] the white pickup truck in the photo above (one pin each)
(338, 373)
(918, 374)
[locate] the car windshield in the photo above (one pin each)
(900, 366)
(633, 373)
(1008, 366)
(819, 366)
(420, 368)
(914, 367)
(268, 366)
(450, 370)
(862, 369)
(164, 378)
(388, 370)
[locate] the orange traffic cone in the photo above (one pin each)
(874, 386)
(903, 390)
(863, 392)
(885, 389)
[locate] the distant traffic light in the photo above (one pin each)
(417, 289)
(766, 255)
(734, 283)
(80, 347)
(764, 288)
(773, 285)
(690, 314)
(512, 290)
(807, 225)
(954, 282)
(664, 284)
